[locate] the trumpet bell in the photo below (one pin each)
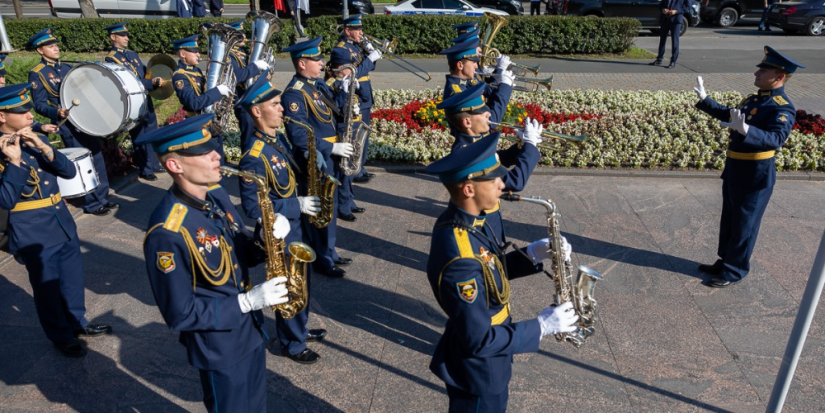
(162, 66)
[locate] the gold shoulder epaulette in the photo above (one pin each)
(298, 85)
(37, 68)
(456, 88)
(256, 149)
(341, 44)
(112, 53)
(780, 100)
(330, 81)
(175, 218)
(462, 240)
(213, 187)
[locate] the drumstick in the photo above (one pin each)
(75, 102)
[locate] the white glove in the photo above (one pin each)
(280, 227)
(558, 319)
(375, 55)
(310, 205)
(700, 88)
(540, 250)
(345, 84)
(261, 64)
(356, 110)
(532, 132)
(320, 163)
(270, 293)
(224, 90)
(369, 46)
(343, 150)
(488, 70)
(503, 63)
(508, 77)
(737, 122)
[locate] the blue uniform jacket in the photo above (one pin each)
(36, 179)
(238, 60)
(475, 352)
(363, 67)
(456, 84)
(268, 156)
(187, 234)
(189, 82)
(131, 61)
(45, 79)
(681, 6)
(770, 116)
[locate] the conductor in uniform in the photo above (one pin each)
(470, 275)
(42, 232)
(194, 247)
(759, 126)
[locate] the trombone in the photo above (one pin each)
(578, 139)
(534, 83)
(387, 47)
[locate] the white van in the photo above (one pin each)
(117, 9)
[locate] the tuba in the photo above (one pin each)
(318, 184)
(264, 25)
(352, 165)
(277, 263)
(492, 24)
(221, 39)
(579, 291)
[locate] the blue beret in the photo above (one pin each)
(119, 28)
(467, 49)
(776, 60)
(309, 49)
(465, 27)
(353, 22)
(341, 56)
(238, 25)
(260, 91)
(42, 38)
(477, 160)
(190, 42)
(190, 136)
(2, 65)
(16, 98)
(470, 35)
(470, 100)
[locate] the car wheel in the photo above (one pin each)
(727, 17)
(815, 26)
(684, 26)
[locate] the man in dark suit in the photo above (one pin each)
(670, 21)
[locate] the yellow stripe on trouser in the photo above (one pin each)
(40, 203)
(501, 316)
(758, 156)
(331, 139)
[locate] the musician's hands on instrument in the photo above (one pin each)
(260, 64)
(532, 132)
(342, 149)
(737, 122)
(320, 163)
(700, 88)
(49, 128)
(346, 82)
(369, 46)
(271, 292)
(280, 228)
(224, 90)
(10, 146)
(503, 62)
(375, 55)
(488, 70)
(62, 113)
(356, 110)
(508, 77)
(540, 250)
(157, 82)
(558, 319)
(310, 205)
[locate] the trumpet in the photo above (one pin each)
(534, 83)
(517, 68)
(578, 139)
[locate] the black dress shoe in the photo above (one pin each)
(334, 272)
(714, 269)
(305, 357)
(112, 205)
(347, 217)
(94, 330)
(99, 212)
(369, 175)
(343, 261)
(362, 179)
(671, 65)
(149, 177)
(71, 348)
(358, 210)
(717, 282)
(655, 63)
(316, 335)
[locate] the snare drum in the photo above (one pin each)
(86, 179)
(112, 98)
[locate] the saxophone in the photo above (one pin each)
(221, 39)
(264, 25)
(318, 184)
(352, 165)
(277, 262)
(579, 292)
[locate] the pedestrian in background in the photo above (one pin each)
(764, 25)
(535, 7)
(670, 21)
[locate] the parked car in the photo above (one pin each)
(725, 13)
(646, 11)
(807, 16)
(512, 7)
(459, 7)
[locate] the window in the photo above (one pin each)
(452, 4)
(431, 4)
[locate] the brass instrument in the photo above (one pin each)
(277, 262)
(579, 139)
(492, 24)
(163, 66)
(221, 39)
(264, 25)
(318, 184)
(580, 292)
(517, 68)
(388, 48)
(352, 165)
(535, 83)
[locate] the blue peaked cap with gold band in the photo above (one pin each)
(310, 49)
(42, 38)
(341, 56)
(119, 28)
(16, 98)
(190, 136)
(471, 100)
(238, 25)
(467, 49)
(465, 27)
(776, 60)
(353, 22)
(190, 42)
(476, 161)
(473, 34)
(2, 65)
(260, 91)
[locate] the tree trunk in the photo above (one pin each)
(18, 10)
(87, 7)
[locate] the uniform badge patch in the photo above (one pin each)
(753, 111)
(783, 117)
(166, 262)
(293, 106)
(179, 84)
(34, 85)
(316, 95)
(468, 290)
(487, 257)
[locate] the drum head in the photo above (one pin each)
(74, 153)
(102, 106)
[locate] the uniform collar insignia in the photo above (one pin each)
(120, 50)
(190, 200)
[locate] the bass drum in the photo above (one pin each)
(112, 98)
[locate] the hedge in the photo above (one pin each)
(416, 34)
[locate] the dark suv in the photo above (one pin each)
(646, 11)
(725, 13)
(328, 7)
(512, 7)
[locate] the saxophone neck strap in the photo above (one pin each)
(273, 142)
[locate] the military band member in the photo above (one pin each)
(307, 99)
(463, 58)
(352, 36)
(145, 158)
(238, 58)
(41, 229)
(37, 127)
(194, 247)
(465, 27)
(2, 71)
(45, 79)
(470, 275)
(759, 125)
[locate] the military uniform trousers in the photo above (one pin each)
(237, 388)
(463, 402)
(742, 211)
(144, 156)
